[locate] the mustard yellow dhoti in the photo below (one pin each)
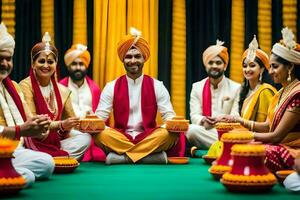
(113, 140)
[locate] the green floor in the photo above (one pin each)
(98, 181)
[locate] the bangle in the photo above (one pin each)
(17, 132)
(251, 125)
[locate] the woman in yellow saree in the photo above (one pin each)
(256, 93)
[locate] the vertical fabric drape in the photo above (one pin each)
(143, 15)
(47, 17)
(90, 32)
(8, 15)
(265, 25)
(289, 14)
(276, 20)
(110, 29)
(80, 22)
(28, 32)
(63, 26)
(165, 42)
(251, 10)
(237, 40)
(178, 70)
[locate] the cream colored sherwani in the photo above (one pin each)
(222, 101)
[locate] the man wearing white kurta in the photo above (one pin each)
(211, 98)
(30, 164)
(292, 181)
(135, 99)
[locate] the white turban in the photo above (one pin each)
(7, 42)
(289, 55)
(287, 48)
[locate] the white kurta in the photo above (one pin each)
(81, 98)
(164, 105)
(222, 102)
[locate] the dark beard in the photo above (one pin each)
(215, 75)
(78, 75)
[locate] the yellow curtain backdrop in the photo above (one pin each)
(80, 22)
(8, 15)
(109, 29)
(237, 40)
(265, 25)
(289, 14)
(178, 70)
(47, 17)
(143, 15)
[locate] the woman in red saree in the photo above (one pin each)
(45, 95)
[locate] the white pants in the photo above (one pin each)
(292, 182)
(32, 164)
(200, 137)
(76, 144)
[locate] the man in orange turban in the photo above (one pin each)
(211, 97)
(85, 92)
(135, 99)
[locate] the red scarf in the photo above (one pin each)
(206, 99)
(148, 105)
(51, 144)
(8, 84)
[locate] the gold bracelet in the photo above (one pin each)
(251, 125)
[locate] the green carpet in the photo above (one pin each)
(98, 181)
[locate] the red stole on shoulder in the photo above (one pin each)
(95, 90)
(51, 144)
(148, 106)
(8, 84)
(206, 99)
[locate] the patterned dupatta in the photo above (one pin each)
(51, 144)
(277, 110)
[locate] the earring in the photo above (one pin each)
(260, 77)
(289, 79)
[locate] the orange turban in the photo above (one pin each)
(261, 55)
(215, 50)
(136, 41)
(77, 51)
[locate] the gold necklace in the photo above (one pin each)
(285, 91)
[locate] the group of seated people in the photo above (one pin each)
(44, 114)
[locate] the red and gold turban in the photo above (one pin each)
(133, 40)
(215, 50)
(261, 55)
(77, 51)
